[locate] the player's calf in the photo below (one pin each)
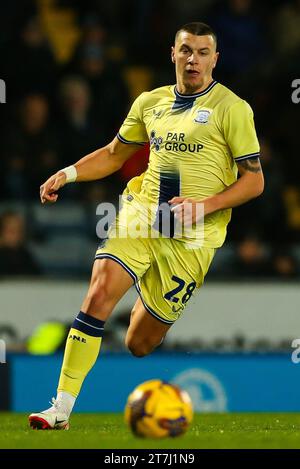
(145, 332)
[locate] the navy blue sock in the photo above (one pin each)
(89, 325)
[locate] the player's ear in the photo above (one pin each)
(173, 54)
(216, 59)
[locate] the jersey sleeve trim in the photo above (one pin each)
(247, 157)
(127, 142)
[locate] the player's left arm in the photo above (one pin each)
(240, 136)
(249, 186)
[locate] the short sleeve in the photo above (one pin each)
(133, 129)
(239, 132)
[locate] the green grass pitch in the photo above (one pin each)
(246, 430)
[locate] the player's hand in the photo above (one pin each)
(51, 186)
(186, 210)
(189, 210)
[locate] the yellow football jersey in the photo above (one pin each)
(195, 142)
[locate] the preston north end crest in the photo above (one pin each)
(202, 116)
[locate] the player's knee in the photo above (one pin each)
(139, 349)
(100, 294)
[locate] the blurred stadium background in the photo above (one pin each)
(71, 70)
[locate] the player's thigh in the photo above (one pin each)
(174, 275)
(119, 263)
(109, 282)
(144, 328)
(111, 275)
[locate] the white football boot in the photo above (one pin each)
(54, 418)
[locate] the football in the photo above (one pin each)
(158, 409)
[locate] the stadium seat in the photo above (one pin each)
(61, 218)
(65, 255)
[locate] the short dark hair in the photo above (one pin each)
(198, 29)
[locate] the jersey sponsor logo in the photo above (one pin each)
(202, 116)
(174, 142)
(156, 141)
(183, 147)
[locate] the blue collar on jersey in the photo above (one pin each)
(186, 101)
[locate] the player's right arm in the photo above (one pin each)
(96, 165)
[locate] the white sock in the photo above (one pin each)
(66, 401)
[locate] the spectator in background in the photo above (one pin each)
(243, 44)
(30, 148)
(286, 30)
(107, 86)
(15, 257)
(284, 265)
(93, 32)
(79, 132)
(29, 63)
(251, 258)
(256, 259)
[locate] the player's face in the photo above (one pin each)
(195, 58)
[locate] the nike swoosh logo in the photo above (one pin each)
(69, 376)
(58, 421)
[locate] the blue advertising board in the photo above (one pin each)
(215, 382)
